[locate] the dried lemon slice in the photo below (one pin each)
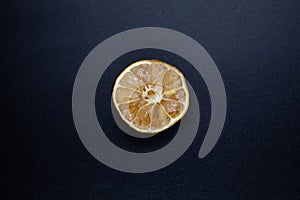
(151, 96)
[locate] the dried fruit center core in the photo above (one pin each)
(151, 94)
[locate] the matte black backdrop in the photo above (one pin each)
(255, 44)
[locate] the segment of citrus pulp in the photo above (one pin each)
(151, 96)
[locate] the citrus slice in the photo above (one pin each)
(151, 96)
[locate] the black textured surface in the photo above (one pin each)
(255, 44)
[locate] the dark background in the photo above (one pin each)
(255, 45)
